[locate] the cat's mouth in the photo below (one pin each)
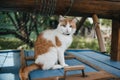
(66, 33)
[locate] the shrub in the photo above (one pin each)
(10, 43)
(84, 43)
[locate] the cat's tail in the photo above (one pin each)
(24, 71)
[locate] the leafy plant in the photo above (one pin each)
(10, 43)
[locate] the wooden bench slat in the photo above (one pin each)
(77, 67)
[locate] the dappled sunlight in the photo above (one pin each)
(9, 60)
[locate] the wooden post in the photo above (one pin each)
(22, 58)
(98, 32)
(115, 43)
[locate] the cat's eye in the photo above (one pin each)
(70, 26)
(63, 25)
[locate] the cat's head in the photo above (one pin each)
(66, 26)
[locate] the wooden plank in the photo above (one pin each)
(99, 64)
(105, 59)
(115, 43)
(77, 67)
(91, 76)
(32, 58)
(22, 58)
(71, 68)
(103, 8)
(99, 34)
(101, 75)
(29, 58)
(69, 57)
(88, 63)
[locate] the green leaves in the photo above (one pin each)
(8, 43)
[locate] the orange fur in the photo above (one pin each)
(58, 43)
(24, 71)
(42, 45)
(73, 24)
(67, 20)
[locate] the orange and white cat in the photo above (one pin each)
(50, 47)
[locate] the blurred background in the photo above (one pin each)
(20, 29)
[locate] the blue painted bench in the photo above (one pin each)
(59, 72)
(99, 59)
(10, 64)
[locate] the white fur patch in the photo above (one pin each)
(48, 59)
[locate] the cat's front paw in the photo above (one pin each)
(65, 65)
(57, 67)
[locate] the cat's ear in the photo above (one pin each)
(75, 20)
(61, 18)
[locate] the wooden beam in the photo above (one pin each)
(99, 34)
(80, 24)
(115, 43)
(103, 8)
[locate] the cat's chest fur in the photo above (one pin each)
(65, 40)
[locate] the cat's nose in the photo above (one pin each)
(67, 31)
